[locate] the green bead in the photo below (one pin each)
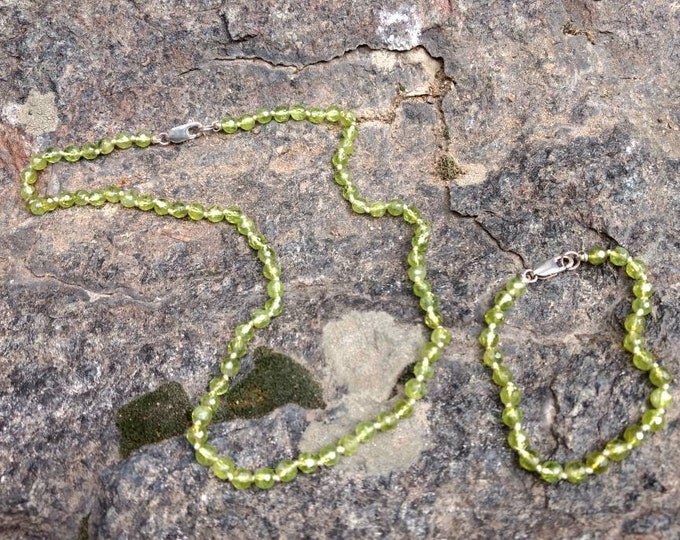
(282, 113)
(636, 269)
(598, 462)
(342, 177)
(142, 139)
(528, 459)
(576, 470)
(516, 287)
(328, 455)
(242, 479)
(223, 468)
(201, 415)
(274, 306)
(387, 421)
(298, 112)
(211, 401)
(494, 316)
(429, 351)
(195, 211)
(316, 115)
(218, 386)
(229, 124)
(359, 205)
(66, 199)
(619, 256)
(245, 225)
(206, 455)
(488, 338)
(230, 367)
(105, 146)
(307, 462)
(112, 194)
(275, 288)
(286, 470)
(440, 337)
(161, 206)
(642, 289)
(196, 436)
(642, 306)
(414, 389)
(349, 132)
(97, 197)
(596, 255)
(178, 210)
(518, 439)
(660, 376)
(122, 140)
(415, 258)
(616, 450)
(634, 435)
(423, 370)
(634, 323)
(417, 273)
(660, 398)
(52, 155)
(411, 214)
(128, 198)
(365, 431)
(28, 176)
(81, 197)
(422, 288)
(403, 408)
(28, 192)
(271, 271)
(260, 318)
(395, 207)
(256, 240)
(246, 122)
(37, 206)
(347, 445)
(433, 318)
(38, 163)
(551, 472)
(244, 331)
(633, 342)
(347, 118)
(263, 116)
(428, 301)
(504, 300)
(502, 375)
(491, 357)
(644, 360)
(332, 113)
(144, 202)
(50, 204)
(511, 395)
(264, 478)
(89, 151)
(71, 153)
(655, 419)
(512, 416)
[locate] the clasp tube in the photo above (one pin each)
(552, 267)
(185, 132)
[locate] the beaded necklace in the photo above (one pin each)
(197, 435)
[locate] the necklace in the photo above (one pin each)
(197, 435)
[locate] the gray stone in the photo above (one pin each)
(564, 119)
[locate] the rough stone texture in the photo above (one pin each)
(564, 116)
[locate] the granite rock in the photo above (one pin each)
(564, 120)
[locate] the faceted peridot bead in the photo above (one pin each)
(417, 273)
(492, 356)
(512, 416)
(263, 116)
(395, 207)
(387, 421)
(89, 151)
(256, 240)
(495, 316)
(201, 415)
(551, 472)
(52, 155)
(50, 204)
(597, 255)
(575, 470)
(429, 351)
(218, 386)
(636, 269)
(233, 215)
(598, 462)
(206, 454)
(504, 300)
(128, 198)
(619, 256)
(242, 479)
(298, 112)
(112, 194)
(347, 445)
(316, 115)
(307, 462)
(643, 289)
(274, 306)
(229, 124)
(365, 431)
(411, 214)
(501, 375)
(36, 206)
(644, 360)
(196, 436)
(28, 175)
(655, 419)
(105, 146)
(81, 197)
(122, 140)
(347, 118)
(142, 139)
(328, 455)
(440, 337)
(223, 468)
(349, 132)
(332, 113)
(245, 225)
(642, 306)
(516, 287)
(178, 209)
(97, 197)
(38, 163)
(264, 478)
(281, 113)
(246, 122)
(403, 408)
(518, 439)
(359, 205)
(144, 202)
(275, 288)
(511, 395)
(414, 389)
(634, 323)
(617, 449)
(66, 199)
(195, 211)
(633, 342)
(660, 376)
(161, 206)
(210, 400)
(230, 367)
(634, 435)
(342, 177)
(71, 153)
(660, 398)
(424, 370)
(528, 459)
(286, 470)
(260, 318)
(28, 192)
(488, 338)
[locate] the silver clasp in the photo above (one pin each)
(552, 267)
(180, 134)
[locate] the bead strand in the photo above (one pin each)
(197, 435)
(617, 449)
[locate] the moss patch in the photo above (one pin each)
(276, 379)
(83, 528)
(448, 168)
(163, 413)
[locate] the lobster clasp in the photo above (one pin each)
(182, 133)
(552, 267)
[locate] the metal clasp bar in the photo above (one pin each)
(180, 134)
(552, 267)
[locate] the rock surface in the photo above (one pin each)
(564, 118)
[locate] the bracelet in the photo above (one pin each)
(197, 435)
(660, 398)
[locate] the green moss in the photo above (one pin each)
(163, 413)
(448, 168)
(83, 528)
(276, 379)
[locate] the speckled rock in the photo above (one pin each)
(563, 117)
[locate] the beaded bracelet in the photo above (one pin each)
(197, 435)
(660, 398)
